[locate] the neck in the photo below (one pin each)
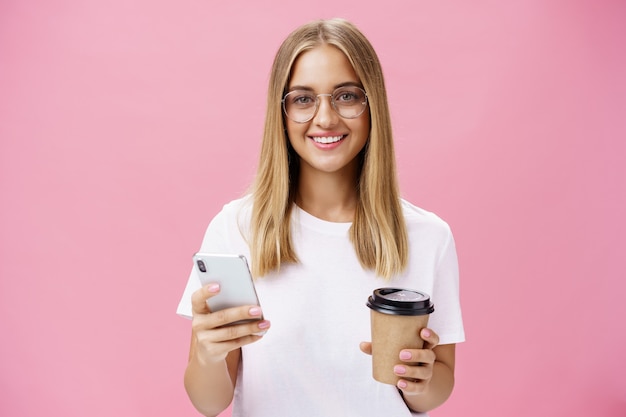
(328, 196)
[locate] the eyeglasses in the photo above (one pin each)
(301, 105)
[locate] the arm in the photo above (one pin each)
(428, 384)
(210, 386)
(215, 351)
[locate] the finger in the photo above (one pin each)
(366, 347)
(226, 317)
(422, 372)
(218, 351)
(431, 339)
(414, 356)
(232, 315)
(409, 387)
(199, 297)
(235, 332)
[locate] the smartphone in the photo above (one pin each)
(233, 275)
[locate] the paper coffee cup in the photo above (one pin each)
(397, 316)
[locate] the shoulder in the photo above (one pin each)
(228, 229)
(234, 216)
(424, 222)
(238, 204)
(238, 210)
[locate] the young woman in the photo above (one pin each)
(323, 227)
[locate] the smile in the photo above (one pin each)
(327, 139)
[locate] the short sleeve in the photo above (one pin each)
(223, 235)
(215, 242)
(447, 315)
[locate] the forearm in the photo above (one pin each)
(209, 386)
(438, 390)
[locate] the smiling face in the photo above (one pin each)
(328, 143)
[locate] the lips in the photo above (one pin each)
(327, 139)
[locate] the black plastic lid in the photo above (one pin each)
(401, 302)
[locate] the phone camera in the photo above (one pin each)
(201, 266)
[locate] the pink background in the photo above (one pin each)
(125, 125)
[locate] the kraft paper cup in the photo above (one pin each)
(397, 316)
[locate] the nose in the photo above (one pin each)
(326, 115)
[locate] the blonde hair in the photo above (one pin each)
(378, 231)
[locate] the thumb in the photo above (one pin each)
(430, 338)
(199, 298)
(366, 347)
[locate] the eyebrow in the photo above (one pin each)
(345, 84)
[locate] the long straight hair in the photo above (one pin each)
(378, 232)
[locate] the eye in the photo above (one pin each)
(348, 96)
(301, 99)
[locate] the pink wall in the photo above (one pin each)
(122, 132)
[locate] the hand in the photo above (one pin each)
(214, 337)
(416, 365)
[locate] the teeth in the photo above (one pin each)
(329, 139)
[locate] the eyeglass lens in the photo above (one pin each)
(301, 105)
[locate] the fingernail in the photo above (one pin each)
(404, 355)
(399, 369)
(264, 324)
(213, 287)
(402, 384)
(426, 333)
(255, 311)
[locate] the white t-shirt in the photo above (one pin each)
(309, 362)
